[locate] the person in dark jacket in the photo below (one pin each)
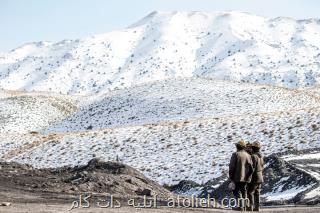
(254, 186)
(240, 172)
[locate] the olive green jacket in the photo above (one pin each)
(240, 167)
(258, 164)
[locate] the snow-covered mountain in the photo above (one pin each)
(228, 45)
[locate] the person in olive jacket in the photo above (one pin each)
(254, 186)
(240, 172)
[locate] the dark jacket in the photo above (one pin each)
(258, 164)
(240, 167)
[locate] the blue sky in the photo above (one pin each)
(24, 21)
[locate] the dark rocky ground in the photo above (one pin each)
(97, 177)
(55, 190)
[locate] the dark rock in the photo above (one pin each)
(128, 181)
(142, 192)
(183, 186)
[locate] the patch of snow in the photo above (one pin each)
(302, 156)
(284, 195)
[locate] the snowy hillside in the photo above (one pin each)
(157, 102)
(168, 152)
(23, 112)
(229, 45)
(178, 99)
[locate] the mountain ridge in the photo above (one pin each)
(234, 46)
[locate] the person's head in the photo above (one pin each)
(249, 147)
(256, 146)
(241, 145)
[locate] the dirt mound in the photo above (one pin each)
(95, 177)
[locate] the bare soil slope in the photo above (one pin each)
(95, 177)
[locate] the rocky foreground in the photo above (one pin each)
(23, 187)
(95, 177)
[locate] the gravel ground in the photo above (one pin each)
(40, 207)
